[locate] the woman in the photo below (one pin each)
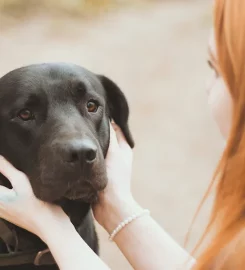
(142, 241)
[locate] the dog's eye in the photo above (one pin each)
(25, 115)
(92, 106)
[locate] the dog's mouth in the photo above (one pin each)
(87, 197)
(87, 192)
(85, 188)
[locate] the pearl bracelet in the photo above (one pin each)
(127, 221)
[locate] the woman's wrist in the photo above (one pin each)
(116, 209)
(53, 230)
(50, 224)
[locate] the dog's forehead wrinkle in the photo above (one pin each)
(93, 83)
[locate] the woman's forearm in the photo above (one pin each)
(69, 249)
(145, 244)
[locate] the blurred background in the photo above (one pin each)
(156, 51)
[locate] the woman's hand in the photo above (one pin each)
(20, 206)
(116, 201)
(119, 162)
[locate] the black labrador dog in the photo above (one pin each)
(54, 126)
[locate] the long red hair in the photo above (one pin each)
(227, 224)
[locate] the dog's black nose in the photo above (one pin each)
(81, 150)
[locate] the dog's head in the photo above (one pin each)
(54, 126)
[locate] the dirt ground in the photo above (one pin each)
(157, 55)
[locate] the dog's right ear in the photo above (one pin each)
(118, 107)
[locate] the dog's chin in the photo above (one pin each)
(90, 198)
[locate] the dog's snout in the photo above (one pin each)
(81, 151)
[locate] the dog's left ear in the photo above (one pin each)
(118, 107)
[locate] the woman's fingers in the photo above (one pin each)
(15, 177)
(8, 170)
(113, 139)
(121, 140)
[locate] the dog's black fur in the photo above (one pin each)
(47, 132)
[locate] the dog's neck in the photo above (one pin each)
(76, 210)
